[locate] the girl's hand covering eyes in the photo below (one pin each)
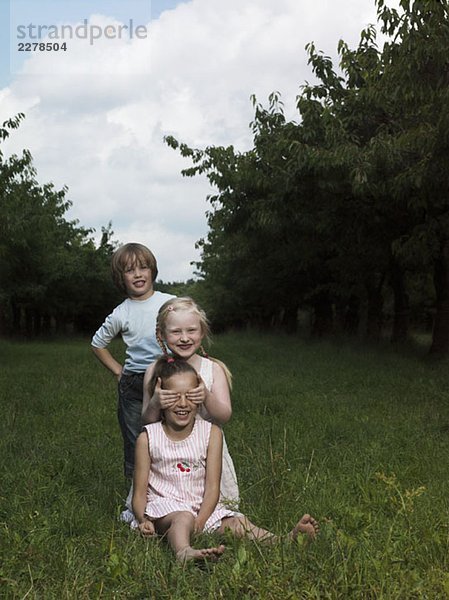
(164, 398)
(198, 394)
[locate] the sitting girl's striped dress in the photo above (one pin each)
(178, 474)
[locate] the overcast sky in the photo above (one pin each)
(96, 114)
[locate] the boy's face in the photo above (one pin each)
(138, 279)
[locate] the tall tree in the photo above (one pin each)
(348, 201)
(416, 84)
(46, 261)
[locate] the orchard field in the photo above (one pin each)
(358, 437)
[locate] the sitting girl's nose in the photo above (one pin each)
(182, 400)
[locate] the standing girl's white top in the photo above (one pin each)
(229, 489)
(178, 474)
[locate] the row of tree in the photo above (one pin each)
(52, 274)
(345, 212)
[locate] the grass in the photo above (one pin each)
(358, 437)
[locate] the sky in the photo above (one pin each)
(97, 112)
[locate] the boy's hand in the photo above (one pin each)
(146, 529)
(198, 394)
(165, 398)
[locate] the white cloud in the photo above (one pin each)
(96, 115)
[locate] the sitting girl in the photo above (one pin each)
(177, 472)
(181, 326)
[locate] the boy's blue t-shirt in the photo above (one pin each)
(135, 320)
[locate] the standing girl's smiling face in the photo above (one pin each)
(183, 333)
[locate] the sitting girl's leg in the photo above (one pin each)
(242, 527)
(178, 527)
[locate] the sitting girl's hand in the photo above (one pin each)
(147, 528)
(198, 526)
(164, 398)
(198, 394)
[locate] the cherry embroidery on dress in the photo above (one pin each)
(185, 467)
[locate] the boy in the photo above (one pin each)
(134, 270)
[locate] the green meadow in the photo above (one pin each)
(356, 436)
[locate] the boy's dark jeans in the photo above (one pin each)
(130, 394)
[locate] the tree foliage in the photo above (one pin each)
(52, 274)
(346, 210)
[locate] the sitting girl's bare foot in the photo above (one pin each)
(306, 525)
(190, 553)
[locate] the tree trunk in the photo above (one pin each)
(440, 337)
(37, 322)
(401, 303)
(289, 319)
(3, 320)
(16, 317)
(374, 317)
(352, 315)
(46, 324)
(323, 315)
(29, 322)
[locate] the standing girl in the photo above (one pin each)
(181, 327)
(177, 473)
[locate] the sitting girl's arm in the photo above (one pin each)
(161, 399)
(213, 477)
(140, 484)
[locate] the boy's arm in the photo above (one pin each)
(103, 337)
(140, 484)
(106, 358)
(213, 477)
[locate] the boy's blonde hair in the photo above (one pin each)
(187, 304)
(131, 253)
